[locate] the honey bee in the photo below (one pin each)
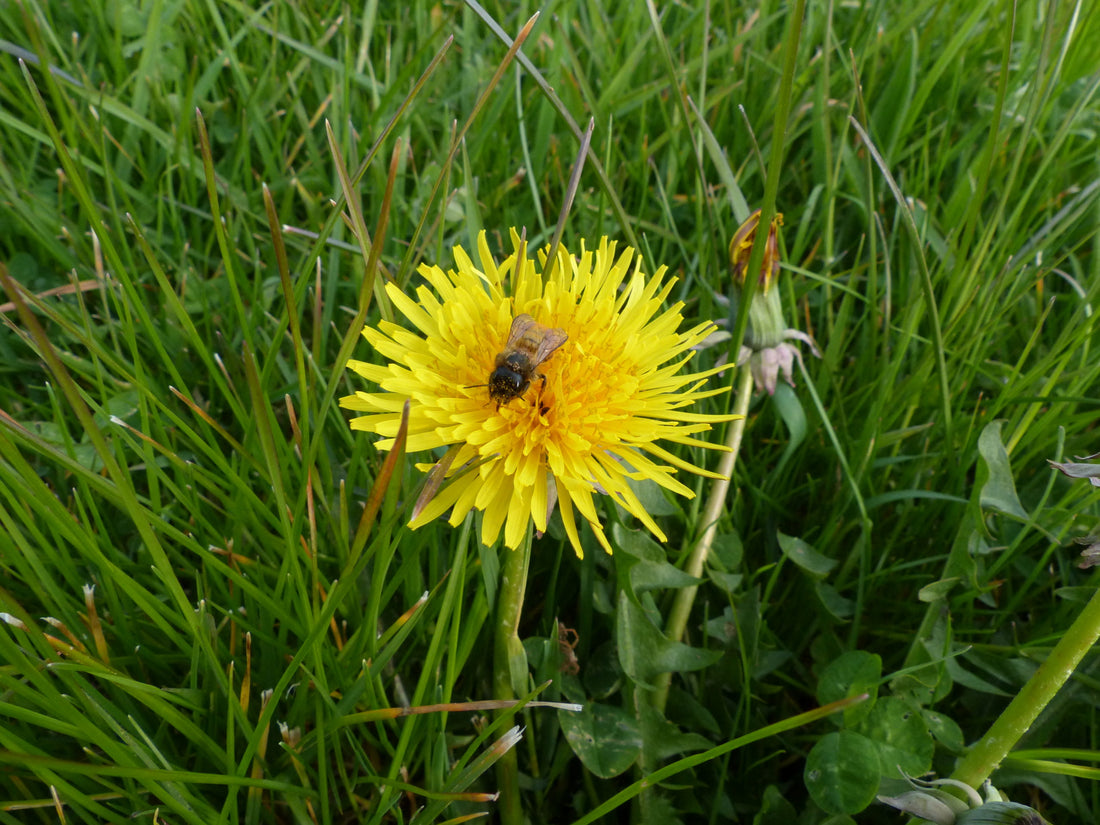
(529, 344)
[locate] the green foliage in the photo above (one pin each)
(842, 772)
(200, 623)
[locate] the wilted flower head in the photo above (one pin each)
(1090, 556)
(741, 250)
(938, 807)
(766, 349)
(589, 419)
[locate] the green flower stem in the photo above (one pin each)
(984, 757)
(510, 666)
(685, 597)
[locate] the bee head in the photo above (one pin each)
(505, 384)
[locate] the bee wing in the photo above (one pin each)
(520, 325)
(551, 340)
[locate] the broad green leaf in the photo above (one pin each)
(727, 551)
(937, 590)
(1075, 594)
(926, 679)
(998, 490)
(726, 582)
(851, 674)
(646, 562)
(839, 607)
(944, 730)
(490, 571)
(652, 497)
(607, 739)
(692, 712)
(901, 736)
(842, 772)
(644, 651)
(789, 406)
(769, 661)
(775, 809)
(724, 562)
(646, 577)
(663, 739)
(723, 628)
(636, 545)
(805, 556)
(968, 543)
(602, 674)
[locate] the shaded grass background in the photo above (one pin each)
(211, 489)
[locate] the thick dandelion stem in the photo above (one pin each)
(510, 666)
(985, 756)
(685, 597)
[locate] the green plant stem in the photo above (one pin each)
(510, 666)
(685, 597)
(984, 757)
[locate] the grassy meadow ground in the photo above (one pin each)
(200, 626)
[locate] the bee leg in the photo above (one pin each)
(543, 409)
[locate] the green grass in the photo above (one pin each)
(169, 432)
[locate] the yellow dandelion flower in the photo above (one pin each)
(585, 420)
